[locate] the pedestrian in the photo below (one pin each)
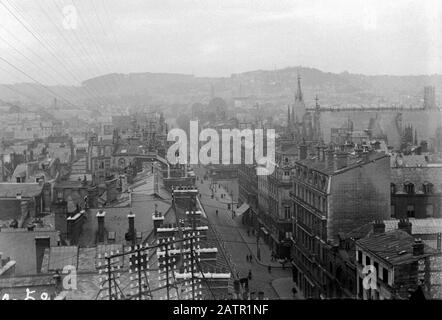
(250, 274)
(251, 258)
(247, 258)
(269, 268)
(248, 232)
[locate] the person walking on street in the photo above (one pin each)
(269, 268)
(250, 275)
(216, 212)
(251, 258)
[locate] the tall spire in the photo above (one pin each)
(298, 96)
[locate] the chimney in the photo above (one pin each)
(318, 153)
(378, 227)
(100, 219)
(341, 160)
(157, 218)
(405, 225)
(131, 232)
(302, 152)
(439, 242)
(418, 247)
(329, 157)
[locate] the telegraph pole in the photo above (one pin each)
(167, 271)
(109, 277)
(192, 271)
(139, 274)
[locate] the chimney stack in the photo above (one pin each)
(329, 157)
(100, 219)
(302, 152)
(157, 218)
(405, 225)
(318, 153)
(378, 227)
(439, 242)
(418, 247)
(341, 160)
(131, 234)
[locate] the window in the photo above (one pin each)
(410, 211)
(427, 188)
(367, 261)
(409, 187)
(385, 275)
(360, 256)
(287, 213)
(429, 210)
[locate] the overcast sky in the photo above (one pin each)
(216, 37)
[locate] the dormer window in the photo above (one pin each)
(409, 187)
(427, 188)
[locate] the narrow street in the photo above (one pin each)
(238, 245)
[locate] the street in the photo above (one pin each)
(238, 244)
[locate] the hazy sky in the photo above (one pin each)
(216, 37)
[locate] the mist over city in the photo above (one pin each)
(221, 150)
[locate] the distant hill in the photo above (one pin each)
(275, 86)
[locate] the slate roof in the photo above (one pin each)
(19, 245)
(352, 162)
(27, 190)
(393, 247)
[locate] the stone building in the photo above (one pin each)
(275, 209)
(333, 193)
(416, 187)
(400, 265)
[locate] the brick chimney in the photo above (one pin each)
(302, 152)
(100, 219)
(157, 218)
(378, 227)
(329, 157)
(439, 242)
(318, 153)
(405, 225)
(131, 232)
(418, 247)
(340, 160)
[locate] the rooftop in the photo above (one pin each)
(394, 247)
(27, 190)
(352, 162)
(20, 245)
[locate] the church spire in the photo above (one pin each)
(298, 96)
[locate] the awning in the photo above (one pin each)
(241, 210)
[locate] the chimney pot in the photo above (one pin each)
(100, 219)
(302, 152)
(378, 227)
(341, 160)
(418, 247)
(405, 225)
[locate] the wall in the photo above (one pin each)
(359, 196)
